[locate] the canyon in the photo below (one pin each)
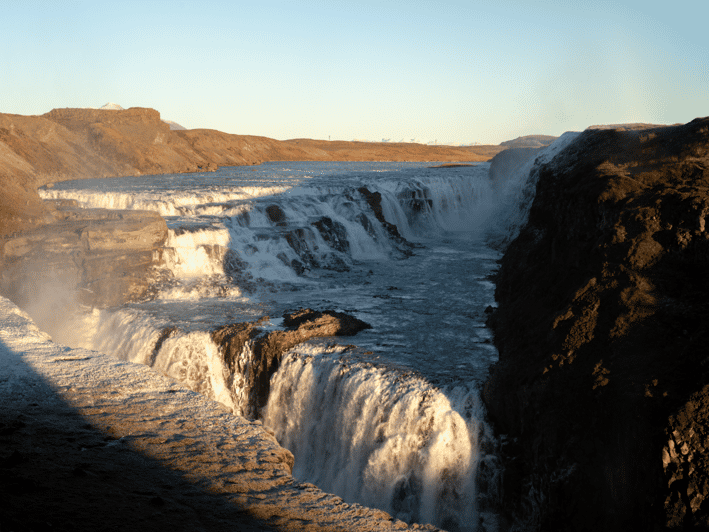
(600, 397)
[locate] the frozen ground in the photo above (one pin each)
(89, 442)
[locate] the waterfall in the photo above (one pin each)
(514, 196)
(378, 436)
(364, 426)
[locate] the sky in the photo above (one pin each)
(455, 72)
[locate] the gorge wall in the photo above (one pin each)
(602, 385)
(94, 257)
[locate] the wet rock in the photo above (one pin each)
(299, 240)
(326, 323)
(276, 215)
(374, 199)
(601, 329)
(333, 233)
(268, 348)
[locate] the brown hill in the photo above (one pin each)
(529, 141)
(391, 151)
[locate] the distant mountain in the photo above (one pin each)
(112, 107)
(174, 125)
(529, 141)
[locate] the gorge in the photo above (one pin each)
(597, 400)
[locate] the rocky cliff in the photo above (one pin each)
(602, 387)
(94, 257)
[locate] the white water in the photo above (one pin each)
(377, 436)
(395, 422)
(515, 198)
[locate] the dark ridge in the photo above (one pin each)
(374, 199)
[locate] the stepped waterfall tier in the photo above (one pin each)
(386, 413)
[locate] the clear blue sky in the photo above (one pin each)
(448, 71)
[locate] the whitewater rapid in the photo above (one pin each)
(391, 418)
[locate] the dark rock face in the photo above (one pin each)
(276, 215)
(268, 348)
(603, 379)
(105, 257)
(334, 233)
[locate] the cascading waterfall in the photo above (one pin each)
(370, 426)
(514, 197)
(380, 437)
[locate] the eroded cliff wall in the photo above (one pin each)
(602, 386)
(93, 257)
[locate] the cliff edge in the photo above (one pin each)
(602, 386)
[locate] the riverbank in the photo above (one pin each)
(86, 143)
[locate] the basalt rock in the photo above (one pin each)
(276, 215)
(325, 323)
(267, 348)
(374, 199)
(603, 377)
(334, 233)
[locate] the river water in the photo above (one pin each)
(389, 418)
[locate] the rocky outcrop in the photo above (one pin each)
(602, 384)
(100, 257)
(374, 200)
(261, 359)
